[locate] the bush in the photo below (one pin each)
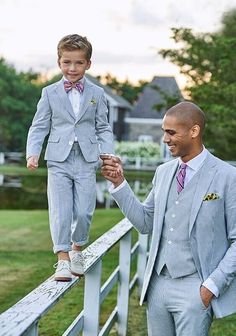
(138, 149)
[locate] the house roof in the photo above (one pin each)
(150, 97)
(117, 100)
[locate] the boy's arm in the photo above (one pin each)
(103, 129)
(32, 162)
(39, 129)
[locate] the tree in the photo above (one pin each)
(124, 89)
(18, 97)
(208, 62)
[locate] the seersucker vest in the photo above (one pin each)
(174, 249)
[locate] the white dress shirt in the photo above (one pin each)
(75, 99)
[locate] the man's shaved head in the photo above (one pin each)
(188, 113)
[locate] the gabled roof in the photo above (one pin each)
(118, 100)
(150, 97)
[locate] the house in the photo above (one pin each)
(145, 120)
(118, 109)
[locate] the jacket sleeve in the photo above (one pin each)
(139, 214)
(40, 126)
(103, 129)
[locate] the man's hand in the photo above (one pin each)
(112, 169)
(32, 162)
(206, 296)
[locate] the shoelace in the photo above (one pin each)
(62, 264)
(77, 257)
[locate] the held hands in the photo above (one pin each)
(112, 169)
(32, 162)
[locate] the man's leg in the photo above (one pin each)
(190, 315)
(159, 319)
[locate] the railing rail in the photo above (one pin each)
(24, 316)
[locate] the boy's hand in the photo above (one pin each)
(112, 169)
(32, 162)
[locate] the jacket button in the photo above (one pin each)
(71, 143)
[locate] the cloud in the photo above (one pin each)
(146, 13)
(101, 57)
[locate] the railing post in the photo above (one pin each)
(123, 290)
(142, 259)
(92, 300)
(137, 162)
(32, 331)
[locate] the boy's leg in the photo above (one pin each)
(84, 197)
(60, 201)
(84, 206)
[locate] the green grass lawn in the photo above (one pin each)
(26, 260)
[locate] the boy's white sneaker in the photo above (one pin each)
(63, 271)
(77, 263)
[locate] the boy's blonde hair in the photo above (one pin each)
(74, 42)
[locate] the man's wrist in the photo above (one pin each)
(118, 183)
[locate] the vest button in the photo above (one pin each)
(173, 215)
(169, 242)
(71, 143)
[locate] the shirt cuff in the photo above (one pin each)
(209, 284)
(112, 189)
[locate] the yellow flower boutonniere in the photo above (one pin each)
(93, 101)
(211, 197)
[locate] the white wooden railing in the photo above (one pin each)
(24, 316)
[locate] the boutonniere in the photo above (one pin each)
(93, 101)
(211, 197)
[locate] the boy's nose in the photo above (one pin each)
(72, 66)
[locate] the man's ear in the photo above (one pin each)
(195, 131)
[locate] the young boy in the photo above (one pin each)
(73, 112)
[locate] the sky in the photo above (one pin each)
(126, 34)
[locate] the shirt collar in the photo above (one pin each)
(197, 161)
(81, 80)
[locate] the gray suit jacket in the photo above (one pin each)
(55, 116)
(212, 227)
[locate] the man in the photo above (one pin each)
(191, 215)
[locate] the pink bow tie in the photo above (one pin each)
(69, 86)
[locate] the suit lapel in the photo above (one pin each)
(86, 98)
(207, 173)
(64, 98)
(165, 187)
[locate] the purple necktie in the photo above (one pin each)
(181, 177)
(69, 86)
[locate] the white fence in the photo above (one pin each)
(24, 316)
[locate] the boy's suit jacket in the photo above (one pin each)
(55, 116)
(212, 227)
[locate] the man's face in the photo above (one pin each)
(178, 137)
(73, 65)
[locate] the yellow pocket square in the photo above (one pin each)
(93, 101)
(211, 197)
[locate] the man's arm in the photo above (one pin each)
(139, 214)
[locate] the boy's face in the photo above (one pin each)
(73, 65)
